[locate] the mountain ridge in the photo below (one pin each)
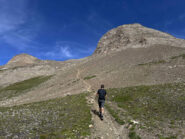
(117, 39)
(134, 36)
(22, 59)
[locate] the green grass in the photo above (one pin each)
(76, 80)
(2, 70)
(175, 57)
(171, 137)
(21, 87)
(158, 101)
(162, 61)
(133, 135)
(89, 77)
(67, 117)
(153, 63)
(115, 114)
(154, 106)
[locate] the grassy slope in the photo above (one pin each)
(157, 107)
(89, 77)
(182, 55)
(67, 117)
(153, 63)
(163, 61)
(20, 87)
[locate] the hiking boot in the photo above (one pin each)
(101, 117)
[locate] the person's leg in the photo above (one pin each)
(99, 103)
(102, 110)
(101, 113)
(102, 106)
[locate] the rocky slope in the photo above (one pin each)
(134, 36)
(24, 66)
(22, 60)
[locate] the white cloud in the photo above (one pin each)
(77, 48)
(59, 52)
(12, 14)
(23, 38)
(65, 51)
(18, 27)
(18, 41)
(68, 50)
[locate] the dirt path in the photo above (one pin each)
(106, 129)
(88, 86)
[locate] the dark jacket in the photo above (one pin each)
(102, 93)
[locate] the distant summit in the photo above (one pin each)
(22, 60)
(134, 36)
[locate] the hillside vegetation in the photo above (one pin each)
(67, 117)
(158, 109)
(19, 88)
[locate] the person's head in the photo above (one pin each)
(102, 86)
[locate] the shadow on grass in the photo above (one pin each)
(96, 113)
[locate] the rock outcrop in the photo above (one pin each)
(22, 60)
(135, 36)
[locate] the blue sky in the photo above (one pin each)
(71, 29)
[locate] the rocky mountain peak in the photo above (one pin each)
(22, 59)
(134, 36)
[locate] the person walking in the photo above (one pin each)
(101, 93)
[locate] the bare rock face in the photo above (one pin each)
(22, 60)
(134, 36)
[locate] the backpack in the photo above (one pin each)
(102, 94)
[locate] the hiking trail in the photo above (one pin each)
(106, 129)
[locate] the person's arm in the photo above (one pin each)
(96, 95)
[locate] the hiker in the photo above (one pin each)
(101, 93)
